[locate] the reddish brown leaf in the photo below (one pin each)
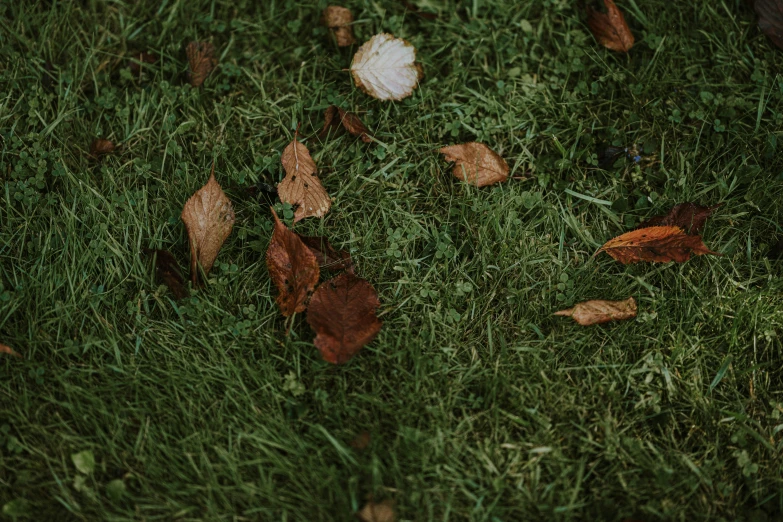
(326, 255)
(201, 60)
(139, 60)
(688, 216)
(342, 313)
(361, 441)
(100, 147)
(377, 512)
(292, 267)
(10, 351)
(301, 186)
(339, 20)
(348, 120)
(610, 28)
(476, 163)
(598, 311)
(167, 272)
(771, 19)
(658, 244)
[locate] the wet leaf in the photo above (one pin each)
(101, 147)
(771, 19)
(339, 20)
(293, 269)
(476, 163)
(335, 116)
(301, 187)
(342, 313)
(658, 244)
(688, 216)
(385, 68)
(598, 311)
(10, 351)
(167, 272)
(209, 217)
(201, 60)
(377, 512)
(326, 255)
(610, 28)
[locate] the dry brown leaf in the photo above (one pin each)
(202, 60)
(658, 244)
(100, 147)
(301, 187)
(385, 68)
(139, 60)
(10, 351)
(378, 512)
(326, 255)
(348, 120)
(688, 216)
(598, 311)
(342, 313)
(209, 217)
(292, 267)
(610, 28)
(167, 272)
(339, 20)
(476, 163)
(361, 441)
(771, 19)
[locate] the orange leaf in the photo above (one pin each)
(342, 313)
(598, 311)
(301, 187)
(658, 244)
(292, 267)
(610, 28)
(201, 60)
(339, 20)
(476, 163)
(10, 351)
(688, 216)
(377, 512)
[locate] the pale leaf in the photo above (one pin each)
(385, 67)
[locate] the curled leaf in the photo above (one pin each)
(598, 311)
(610, 28)
(326, 255)
(101, 147)
(167, 272)
(292, 267)
(476, 163)
(658, 244)
(301, 187)
(385, 68)
(771, 19)
(209, 217)
(688, 216)
(8, 350)
(339, 20)
(201, 60)
(342, 314)
(348, 120)
(377, 512)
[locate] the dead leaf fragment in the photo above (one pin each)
(138, 61)
(476, 163)
(339, 20)
(202, 60)
(167, 272)
(301, 187)
(377, 512)
(385, 67)
(326, 255)
(209, 217)
(101, 147)
(599, 311)
(361, 441)
(610, 28)
(10, 351)
(348, 120)
(415, 10)
(292, 267)
(342, 313)
(688, 216)
(657, 244)
(771, 19)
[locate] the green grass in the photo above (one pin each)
(480, 405)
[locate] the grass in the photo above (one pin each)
(480, 405)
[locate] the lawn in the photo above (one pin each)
(479, 403)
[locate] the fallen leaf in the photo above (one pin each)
(385, 67)
(377, 512)
(348, 120)
(326, 255)
(167, 272)
(476, 163)
(771, 19)
(361, 441)
(209, 218)
(139, 60)
(342, 313)
(292, 267)
(598, 311)
(339, 20)
(202, 60)
(658, 244)
(688, 216)
(608, 156)
(301, 187)
(610, 28)
(415, 10)
(100, 147)
(10, 351)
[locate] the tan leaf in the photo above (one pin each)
(326, 255)
(385, 68)
(348, 120)
(610, 28)
(658, 244)
(342, 313)
(209, 217)
(292, 267)
(688, 216)
(10, 351)
(476, 163)
(339, 20)
(378, 512)
(301, 187)
(101, 147)
(167, 272)
(598, 311)
(202, 60)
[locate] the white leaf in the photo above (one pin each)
(385, 67)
